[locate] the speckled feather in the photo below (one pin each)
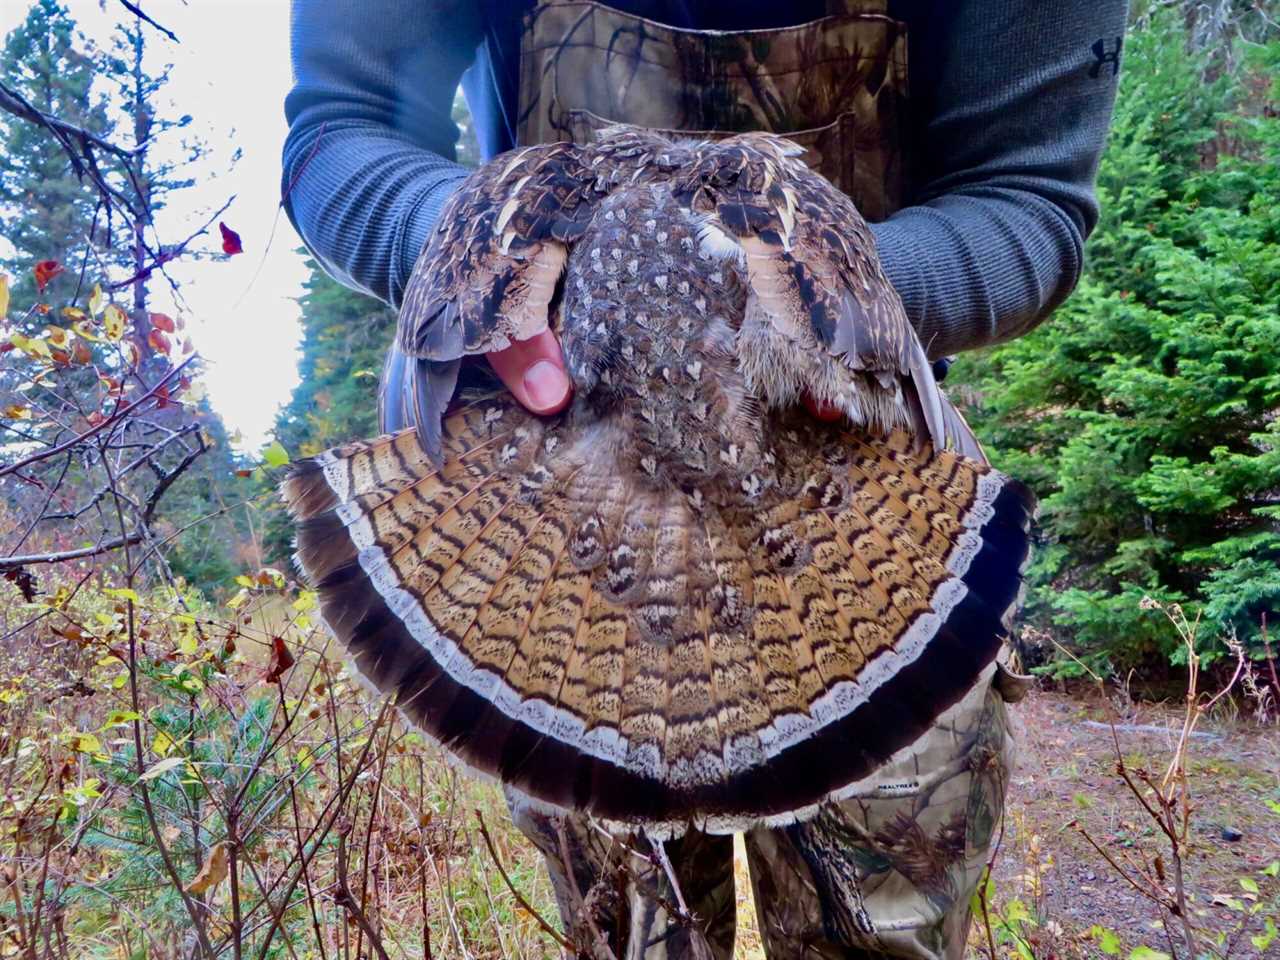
(681, 600)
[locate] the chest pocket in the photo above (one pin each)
(837, 86)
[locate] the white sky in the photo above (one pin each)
(231, 73)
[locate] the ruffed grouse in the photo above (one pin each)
(682, 599)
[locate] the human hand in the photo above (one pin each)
(533, 370)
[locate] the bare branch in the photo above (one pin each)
(547, 928)
(18, 105)
(116, 417)
(165, 479)
(137, 12)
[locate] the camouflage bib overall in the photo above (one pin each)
(890, 870)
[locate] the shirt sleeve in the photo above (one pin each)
(368, 160)
(1016, 100)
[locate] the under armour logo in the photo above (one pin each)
(1105, 57)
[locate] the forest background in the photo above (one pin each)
(189, 771)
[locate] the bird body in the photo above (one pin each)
(682, 600)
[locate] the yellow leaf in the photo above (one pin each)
(86, 743)
(187, 643)
(83, 329)
(213, 872)
(57, 335)
(276, 455)
(162, 767)
(271, 576)
(74, 313)
(95, 300)
(113, 322)
(4, 295)
(162, 744)
(31, 347)
(16, 411)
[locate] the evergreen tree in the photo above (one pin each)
(1145, 411)
(46, 213)
(162, 159)
(345, 336)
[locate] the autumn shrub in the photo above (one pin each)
(1145, 411)
(187, 779)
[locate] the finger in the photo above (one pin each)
(533, 371)
(827, 413)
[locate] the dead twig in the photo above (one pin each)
(116, 416)
(137, 12)
(347, 899)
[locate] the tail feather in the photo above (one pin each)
(651, 654)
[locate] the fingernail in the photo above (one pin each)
(546, 384)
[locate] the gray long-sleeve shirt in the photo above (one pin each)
(1009, 108)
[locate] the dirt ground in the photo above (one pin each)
(1066, 782)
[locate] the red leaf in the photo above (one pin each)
(281, 660)
(230, 240)
(162, 397)
(45, 271)
(158, 341)
(162, 321)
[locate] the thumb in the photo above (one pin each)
(533, 370)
